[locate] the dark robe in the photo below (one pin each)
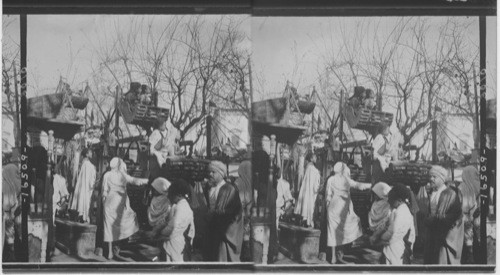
(260, 166)
(225, 237)
(446, 233)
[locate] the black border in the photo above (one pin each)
(258, 7)
(225, 268)
(131, 267)
(254, 8)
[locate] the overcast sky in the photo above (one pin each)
(63, 45)
(283, 48)
(292, 48)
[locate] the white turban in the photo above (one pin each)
(342, 168)
(381, 189)
(219, 167)
(118, 164)
(439, 172)
(115, 163)
(161, 185)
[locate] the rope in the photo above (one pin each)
(289, 96)
(226, 128)
(442, 140)
(445, 132)
(230, 144)
(126, 125)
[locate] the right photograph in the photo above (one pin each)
(366, 140)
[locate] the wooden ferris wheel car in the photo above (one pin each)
(366, 119)
(142, 115)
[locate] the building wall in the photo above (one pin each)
(230, 125)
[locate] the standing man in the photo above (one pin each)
(260, 171)
(225, 231)
(162, 144)
(381, 154)
(445, 231)
(308, 191)
(84, 186)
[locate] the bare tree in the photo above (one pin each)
(189, 61)
(414, 67)
(363, 58)
(10, 79)
(463, 78)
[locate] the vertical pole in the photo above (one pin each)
(312, 123)
(250, 115)
(25, 181)
(209, 136)
(117, 118)
(271, 201)
(484, 176)
(476, 105)
(452, 167)
(16, 94)
(434, 141)
(86, 114)
(379, 100)
(341, 120)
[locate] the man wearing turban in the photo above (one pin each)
(225, 236)
(439, 175)
(445, 226)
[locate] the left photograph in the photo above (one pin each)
(137, 136)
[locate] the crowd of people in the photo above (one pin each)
(171, 217)
(442, 218)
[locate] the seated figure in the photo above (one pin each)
(358, 98)
(145, 96)
(133, 95)
(370, 102)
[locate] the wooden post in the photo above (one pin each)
(271, 201)
(209, 136)
(476, 106)
(86, 114)
(250, 115)
(47, 211)
(452, 166)
(434, 142)
(117, 118)
(341, 120)
(379, 99)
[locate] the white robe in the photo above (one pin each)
(154, 139)
(181, 217)
(168, 138)
(344, 226)
(381, 150)
(60, 191)
(308, 193)
(400, 224)
(284, 195)
(120, 221)
(83, 190)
